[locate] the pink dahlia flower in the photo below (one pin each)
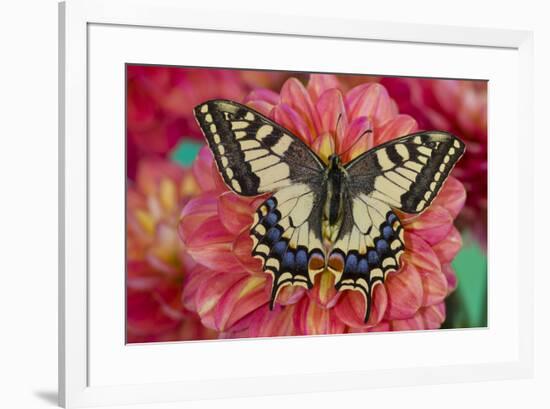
(160, 103)
(460, 107)
(227, 287)
(155, 268)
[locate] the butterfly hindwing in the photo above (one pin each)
(369, 245)
(406, 173)
(253, 154)
(286, 236)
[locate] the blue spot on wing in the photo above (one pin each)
(372, 257)
(271, 219)
(387, 232)
(273, 235)
(363, 266)
(382, 246)
(288, 262)
(351, 263)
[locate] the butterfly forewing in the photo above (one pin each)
(406, 173)
(254, 154)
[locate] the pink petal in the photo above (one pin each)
(452, 196)
(242, 249)
(290, 295)
(262, 107)
(414, 323)
(312, 319)
(434, 284)
(350, 308)
(405, 293)
(206, 173)
(370, 100)
(235, 212)
(448, 248)
(240, 300)
(450, 275)
(332, 111)
(399, 126)
(212, 246)
(195, 212)
(262, 94)
(210, 292)
(193, 280)
(319, 83)
(295, 95)
(357, 139)
(420, 254)
(433, 225)
(278, 322)
(433, 316)
(286, 116)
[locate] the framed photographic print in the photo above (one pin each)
(288, 224)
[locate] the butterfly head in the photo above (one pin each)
(334, 161)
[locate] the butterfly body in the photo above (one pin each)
(325, 216)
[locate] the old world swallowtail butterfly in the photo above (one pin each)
(354, 202)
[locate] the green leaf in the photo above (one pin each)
(185, 152)
(467, 306)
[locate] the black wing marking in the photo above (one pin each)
(287, 236)
(254, 154)
(406, 173)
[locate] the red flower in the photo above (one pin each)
(155, 255)
(227, 287)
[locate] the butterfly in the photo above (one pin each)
(321, 215)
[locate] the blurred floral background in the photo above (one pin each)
(190, 275)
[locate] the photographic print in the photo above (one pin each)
(271, 203)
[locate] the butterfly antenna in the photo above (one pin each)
(354, 143)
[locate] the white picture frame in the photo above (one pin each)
(80, 20)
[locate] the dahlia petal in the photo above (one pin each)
(242, 249)
(447, 249)
(405, 293)
(267, 323)
(433, 316)
(384, 326)
(420, 254)
(240, 300)
(319, 83)
(206, 174)
(290, 295)
(452, 196)
(332, 112)
(399, 126)
(153, 173)
(450, 275)
(324, 146)
(235, 212)
(371, 100)
(414, 323)
(350, 308)
(263, 94)
(195, 212)
(294, 94)
(312, 319)
(210, 292)
(286, 116)
(262, 107)
(193, 280)
(350, 144)
(212, 246)
(435, 287)
(323, 291)
(433, 225)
